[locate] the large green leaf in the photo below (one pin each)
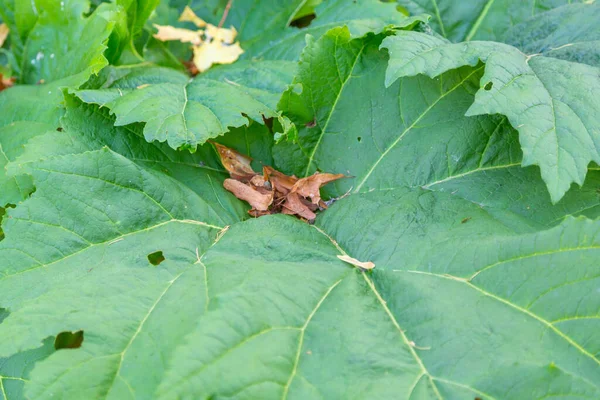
(474, 294)
(185, 112)
(551, 102)
(460, 20)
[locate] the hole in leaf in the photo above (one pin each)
(3, 314)
(488, 86)
(68, 340)
(303, 22)
(359, 139)
(156, 258)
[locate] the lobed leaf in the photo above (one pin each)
(184, 112)
(551, 102)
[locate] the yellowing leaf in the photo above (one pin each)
(188, 15)
(356, 263)
(221, 34)
(166, 33)
(3, 33)
(215, 52)
(211, 46)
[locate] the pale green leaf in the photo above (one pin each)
(551, 102)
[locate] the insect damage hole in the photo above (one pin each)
(488, 86)
(68, 340)
(156, 258)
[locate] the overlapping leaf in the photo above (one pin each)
(468, 247)
(459, 21)
(185, 112)
(265, 31)
(551, 102)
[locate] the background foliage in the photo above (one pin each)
(469, 134)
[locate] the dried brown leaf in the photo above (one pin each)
(295, 205)
(356, 263)
(309, 186)
(237, 164)
(259, 201)
(5, 83)
(279, 181)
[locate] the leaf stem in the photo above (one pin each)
(225, 13)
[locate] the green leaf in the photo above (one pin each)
(190, 112)
(479, 280)
(551, 102)
(413, 117)
(570, 33)
(65, 44)
(87, 128)
(459, 21)
(20, 121)
(264, 32)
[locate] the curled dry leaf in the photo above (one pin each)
(279, 181)
(238, 165)
(259, 201)
(273, 192)
(360, 264)
(295, 206)
(309, 186)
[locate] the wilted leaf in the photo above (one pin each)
(280, 182)
(237, 164)
(273, 191)
(310, 186)
(259, 200)
(294, 205)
